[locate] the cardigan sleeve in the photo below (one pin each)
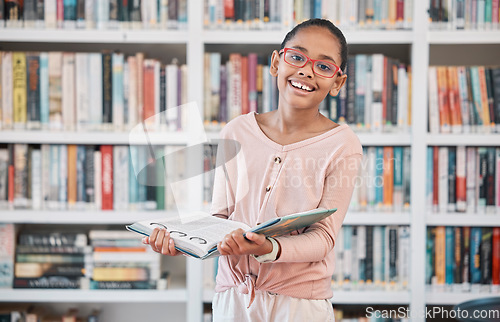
(318, 240)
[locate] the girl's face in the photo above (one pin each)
(300, 87)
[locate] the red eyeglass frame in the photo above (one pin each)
(284, 50)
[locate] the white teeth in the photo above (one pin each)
(301, 86)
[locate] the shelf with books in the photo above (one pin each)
(71, 217)
(453, 298)
(377, 218)
(474, 139)
(462, 219)
(95, 138)
(442, 37)
(94, 36)
(89, 296)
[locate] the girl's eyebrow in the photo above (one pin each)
(322, 56)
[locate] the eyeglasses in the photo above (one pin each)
(320, 67)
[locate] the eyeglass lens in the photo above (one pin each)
(320, 67)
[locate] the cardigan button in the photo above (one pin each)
(268, 188)
(277, 160)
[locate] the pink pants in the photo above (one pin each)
(231, 305)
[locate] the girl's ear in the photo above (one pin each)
(275, 60)
(339, 82)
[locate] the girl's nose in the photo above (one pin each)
(307, 70)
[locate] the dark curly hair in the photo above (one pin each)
(324, 24)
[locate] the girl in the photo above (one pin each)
(290, 160)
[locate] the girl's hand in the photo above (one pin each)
(235, 244)
(160, 242)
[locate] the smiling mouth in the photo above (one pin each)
(301, 86)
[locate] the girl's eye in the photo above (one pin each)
(324, 67)
(297, 57)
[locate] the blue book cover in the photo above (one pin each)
(429, 178)
(450, 255)
(80, 173)
(379, 176)
(44, 89)
(398, 178)
(429, 255)
(475, 255)
(133, 184)
(347, 231)
(69, 9)
(317, 9)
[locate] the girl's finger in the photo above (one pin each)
(171, 247)
(165, 244)
(226, 246)
(159, 239)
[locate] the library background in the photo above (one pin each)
(78, 76)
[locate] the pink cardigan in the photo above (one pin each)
(265, 180)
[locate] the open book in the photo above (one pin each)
(198, 234)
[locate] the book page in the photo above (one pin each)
(197, 231)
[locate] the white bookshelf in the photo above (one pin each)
(80, 217)
(93, 138)
(94, 36)
(98, 296)
(377, 218)
(189, 291)
(463, 219)
(474, 139)
(464, 37)
(453, 298)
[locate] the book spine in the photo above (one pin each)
(398, 179)
(19, 81)
(388, 177)
(81, 176)
(486, 255)
(440, 256)
(107, 177)
(55, 90)
(490, 181)
(452, 169)
(107, 90)
(466, 256)
(475, 255)
(449, 257)
(117, 101)
(443, 186)
(457, 256)
(68, 91)
(482, 172)
(21, 175)
(95, 91)
(7, 90)
(7, 250)
(404, 256)
(82, 86)
(72, 175)
(429, 255)
(464, 99)
(495, 259)
(172, 97)
(33, 91)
